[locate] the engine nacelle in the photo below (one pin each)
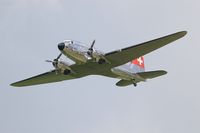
(63, 67)
(99, 58)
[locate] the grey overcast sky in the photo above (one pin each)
(29, 33)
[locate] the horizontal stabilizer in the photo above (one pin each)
(152, 74)
(123, 82)
(145, 75)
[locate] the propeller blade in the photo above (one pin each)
(91, 47)
(48, 61)
(91, 50)
(59, 56)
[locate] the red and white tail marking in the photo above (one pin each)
(139, 61)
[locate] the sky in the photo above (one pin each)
(29, 33)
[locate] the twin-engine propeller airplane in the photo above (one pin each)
(126, 64)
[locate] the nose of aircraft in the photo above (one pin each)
(61, 46)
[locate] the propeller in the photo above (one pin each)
(58, 57)
(55, 61)
(91, 49)
(48, 61)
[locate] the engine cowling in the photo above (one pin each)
(63, 67)
(66, 72)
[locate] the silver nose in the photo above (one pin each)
(61, 46)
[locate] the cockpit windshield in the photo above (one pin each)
(67, 42)
(75, 45)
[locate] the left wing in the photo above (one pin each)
(127, 54)
(47, 77)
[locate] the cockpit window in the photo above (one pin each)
(76, 46)
(69, 42)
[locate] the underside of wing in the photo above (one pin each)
(125, 55)
(47, 77)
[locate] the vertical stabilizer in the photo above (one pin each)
(134, 66)
(139, 62)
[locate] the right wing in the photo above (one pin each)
(47, 77)
(125, 55)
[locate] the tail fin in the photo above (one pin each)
(134, 66)
(139, 62)
(137, 65)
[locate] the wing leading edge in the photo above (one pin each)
(125, 55)
(47, 77)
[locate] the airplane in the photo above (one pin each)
(125, 64)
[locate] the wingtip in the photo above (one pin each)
(182, 33)
(15, 85)
(164, 72)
